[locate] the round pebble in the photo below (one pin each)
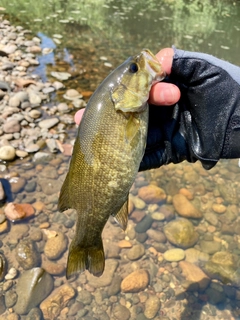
(174, 255)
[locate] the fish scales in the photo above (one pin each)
(106, 156)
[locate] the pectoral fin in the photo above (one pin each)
(122, 216)
(132, 128)
(64, 201)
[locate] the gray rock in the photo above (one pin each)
(85, 297)
(27, 254)
(115, 286)
(214, 296)
(10, 298)
(34, 98)
(144, 224)
(34, 314)
(210, 247)
(2, 304)
(36, 284)
(48, 123)
(42, 157)
(211, 218)
(52, 145)
(49, 186)
(120, 312)
(156, 235)
(136, 252)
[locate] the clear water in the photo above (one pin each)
(114, 30)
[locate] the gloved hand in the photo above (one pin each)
(205, 123)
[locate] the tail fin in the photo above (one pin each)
(86, 258)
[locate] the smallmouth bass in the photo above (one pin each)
(106, 156)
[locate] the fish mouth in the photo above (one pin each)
(153, 66)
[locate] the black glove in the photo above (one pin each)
(205, 124)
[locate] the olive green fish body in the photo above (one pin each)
(106, 157)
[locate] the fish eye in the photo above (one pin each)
(133, 68)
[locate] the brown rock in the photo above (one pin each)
(55, 246)
(194, 274)
(135, 281)
(38, 205)
(188, 194)
(11, 126)
(152, 194)
(219, 208)
(14, 212)
(124, 244)
(56, 269)
(138, 215)
(17, 184)
(185, 208)
(57, 301)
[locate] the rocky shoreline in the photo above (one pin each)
(28, 119)
(179, 257)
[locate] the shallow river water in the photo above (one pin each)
(192, 210)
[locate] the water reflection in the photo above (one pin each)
(200, 281)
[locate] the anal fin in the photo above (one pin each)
(122, 216)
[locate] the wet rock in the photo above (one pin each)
(185, 208)
(223, 266)
(55, 269)
(48, 123)
(36, 285)
(152, 194)
(210, 247)
(138, 215)
(85, 297)
(10, 298)
(52, 306)
(108, 274)
(228, 192)
(214, 296)
(136, 252)
(156, 235)
(19, 231)
(7, 153)
(144, 224)
(17, 184)
(158, 216)
(49, 186)
(120, 312)
(152, 307)
(55, 246)
(138, 203)
(115, 286)
(219, 208)
(136, 281)
(34, 314)
(175, 254)
(13, 212)
(2, 304)
(27, 254)
(194, 274)
(11, 126)
(211, 218)
(181, 233)
(194, 256)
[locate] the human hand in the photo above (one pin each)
(205, 123)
